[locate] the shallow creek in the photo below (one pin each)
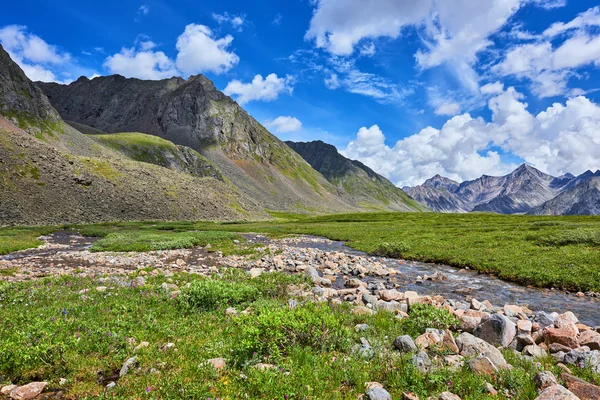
(459, 284)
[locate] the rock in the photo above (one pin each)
(370, 299)
(378, 393)
(101, 289)
(468, 324)
(169, 287)
(525, 340)
(556, 392)
(62, 381)
(353, 283)
(389, 295)
(217, 363)
(496, 329)
(590, 339)
(360, 310)
(565, 336)
(139, 281)
(7, 389)
(111, 386)
(312, 273)
(29, 391)
(581, 388)
(524, 326)
(361, 327)
(256, 272)
(231, 311)
(448, 396)
(471, 346)
(477, 305)
(405, 344)
(428, 339)
(409, 396)
(422, 362)
(534, 351)
(292, 303)
(545, 319)
(128, 365)
(490, 388)
(265, 367)
(482, 365)
(449, 343)
(512, 311)
(365, 350)
(392, 306)
(168, 347)
(566, 320)
(141, 346)
(544, 380)
(454, 361)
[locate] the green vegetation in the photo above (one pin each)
(100, 167)
(52, 331)
(140, 147)
(557, 252)
(15, 239)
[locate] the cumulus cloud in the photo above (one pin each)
(548, 63)
(562, 138)
(137, 62)
(284, 124)
(39, 60)
(266, 89)
(200, 51)
(142, 12)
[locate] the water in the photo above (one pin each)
(480, 286)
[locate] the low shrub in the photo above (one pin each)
(208, 294)
(423, 316)
(574, 236)
(391, 249)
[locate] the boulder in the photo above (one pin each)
(556, 392)
(29, 391)
(496, 329)
(544, 380)
(127, 366)
(566, 320)
(389, 295)
(449, 343)
(590, 339)
(5, 390)
(565, 336)
(471, 346)
(405, 344)
(217, 363)
(581, 388)
(377, 393)
(482, 365)
(422, 362)
(392, 306)
(360, 310)
(256, 272)
(429, 339)
(534, 351)
(544, 319)
(468, 324)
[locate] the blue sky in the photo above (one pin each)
(455, 87)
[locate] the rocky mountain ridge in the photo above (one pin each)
(525, 190)
(353, 177)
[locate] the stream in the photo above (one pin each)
(62, 248)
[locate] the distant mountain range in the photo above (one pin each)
(524, 191)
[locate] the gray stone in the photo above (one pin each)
(405, 344)
(377, 393)
(471, 346)
(111, 386)
(448, 396)
(370, 299)
(544, 380)
(496, 329)
(127, 366)
(361, 327)
(422, 362)
(545, 319)
(556, 392)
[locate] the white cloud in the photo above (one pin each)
(550, 4)
(547, 63)
(277, 20)
(140, 63)
(236, 21)
(200, 51)
(284, 124)
(266, 89)
(39, 60)
(332, 82)
(492, 88)
(368, 50)
(563, 138)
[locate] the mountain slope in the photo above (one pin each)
(364, 185)
(195, 114)
(580, 199)
(50, 173)
(518, 192)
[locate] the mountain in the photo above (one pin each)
(193, 113)
(582, 198)
(365, 186)
(50, 173)
(518, 192)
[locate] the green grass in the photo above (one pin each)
(15, 239)
(51, 331)
(560, 252)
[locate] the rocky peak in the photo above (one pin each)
(20, 100)
(439, 181)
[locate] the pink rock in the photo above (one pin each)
(29, 391)
(565, 336)
(590, 339)
(556, 392)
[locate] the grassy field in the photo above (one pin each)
(561, 252)
(51, 331)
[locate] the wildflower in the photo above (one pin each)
(148, 389)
